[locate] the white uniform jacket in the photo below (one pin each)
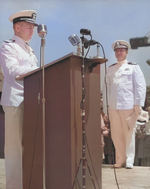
(126, 86)
(15, 60)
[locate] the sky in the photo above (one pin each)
(108, 21)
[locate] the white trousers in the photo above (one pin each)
(123, 136)
(13, 146)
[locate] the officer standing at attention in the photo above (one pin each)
(126, 95)
(16, 58)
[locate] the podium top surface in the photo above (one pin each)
(88, 60)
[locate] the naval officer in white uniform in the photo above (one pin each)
(126, 96)
(16, 58)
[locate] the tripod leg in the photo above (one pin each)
(90, 174)
(76, 180)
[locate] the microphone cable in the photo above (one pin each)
(37, 122)
(88, 48)
(106, 88)
(36, 127)
(83, 97)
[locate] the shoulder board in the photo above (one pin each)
(112, 64)
(9, 41)
(132, 63)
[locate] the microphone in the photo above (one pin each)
(89, 43)
(74, 39)
(85, 32)
(42, 30)
(92, 42)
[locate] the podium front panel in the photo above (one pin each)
(63, 125)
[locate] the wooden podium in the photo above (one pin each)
(63, 123)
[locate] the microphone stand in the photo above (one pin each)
(98, 50)
(83, 120)
(83, 160)
(43, 107)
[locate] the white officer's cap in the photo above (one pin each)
(24, 16)
(120, 44)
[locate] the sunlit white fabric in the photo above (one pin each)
(15, 60)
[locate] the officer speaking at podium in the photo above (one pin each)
(16, 58)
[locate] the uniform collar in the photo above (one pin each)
(19, 40)
(120, 63)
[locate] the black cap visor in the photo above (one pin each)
(25, 19)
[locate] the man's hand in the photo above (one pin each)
(138, 109)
